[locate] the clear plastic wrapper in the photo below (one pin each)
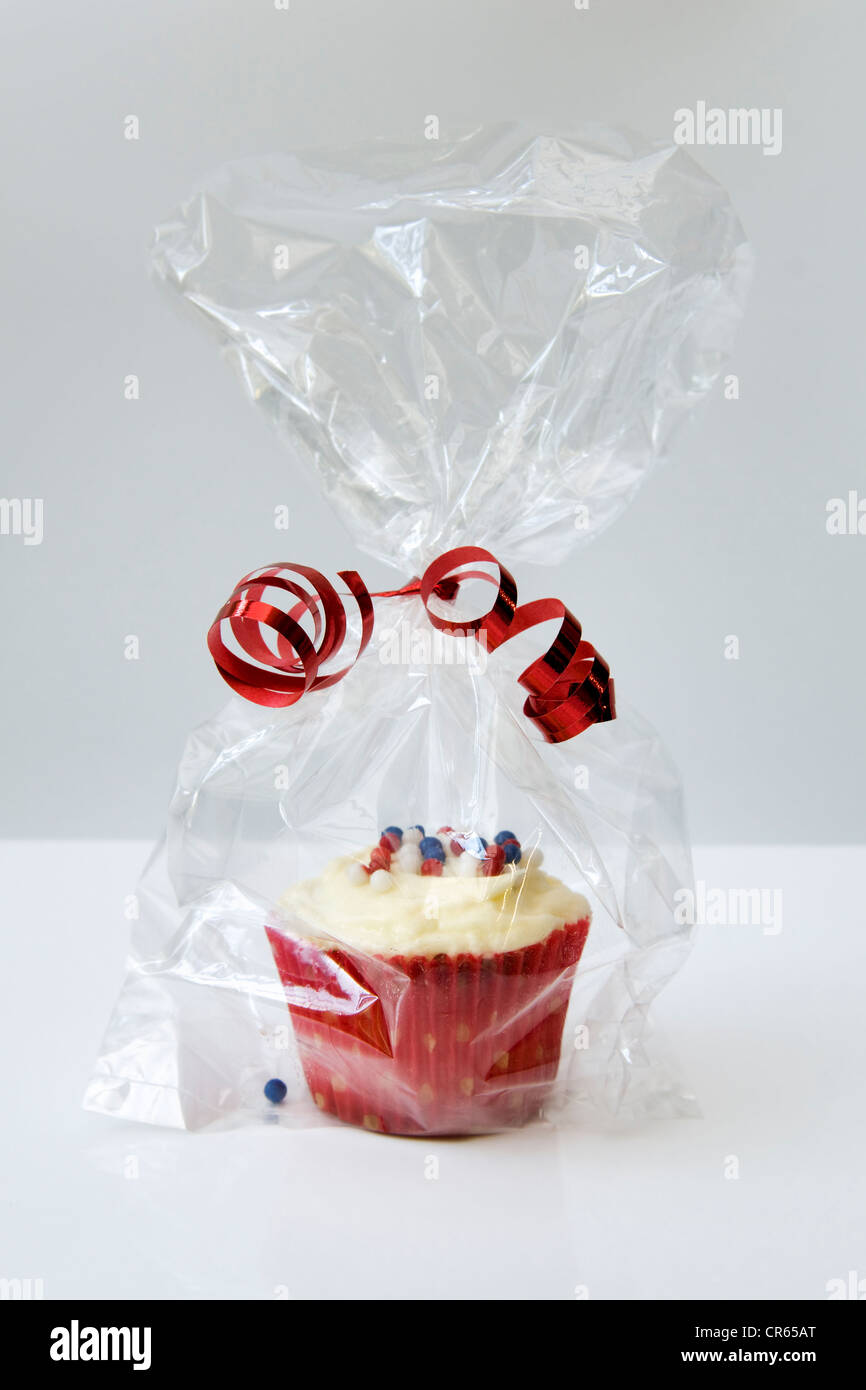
(485, 345)
(488, 350)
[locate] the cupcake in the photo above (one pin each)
(428, 980)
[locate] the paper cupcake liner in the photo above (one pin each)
(418, 1045)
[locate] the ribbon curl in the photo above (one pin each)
(297, 655)
(570, 686)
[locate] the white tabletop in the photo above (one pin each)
(767, 1029)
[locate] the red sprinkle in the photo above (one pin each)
(456, 849)
(390, 842)
(494, 859)
(380, 858)
(432, 866)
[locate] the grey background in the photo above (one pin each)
(154, 507)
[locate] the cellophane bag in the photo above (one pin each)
(407, 899)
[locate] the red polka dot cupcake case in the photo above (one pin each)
(428, 980)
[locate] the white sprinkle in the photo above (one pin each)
(356, 873)
(536, 858)
(468, 866)
(412, 837)
(381, 881)
(408, 858)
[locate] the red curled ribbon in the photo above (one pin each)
(297, 655)
(570, 686)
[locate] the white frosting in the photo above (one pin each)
(425, 914)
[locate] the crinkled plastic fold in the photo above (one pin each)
(487, 342)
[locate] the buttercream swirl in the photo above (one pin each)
(427, 915)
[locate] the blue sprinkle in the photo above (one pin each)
(417, 827)
(505, 835)
(431, 848)
(512, 852)
(275, 1090)
(393, 830)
